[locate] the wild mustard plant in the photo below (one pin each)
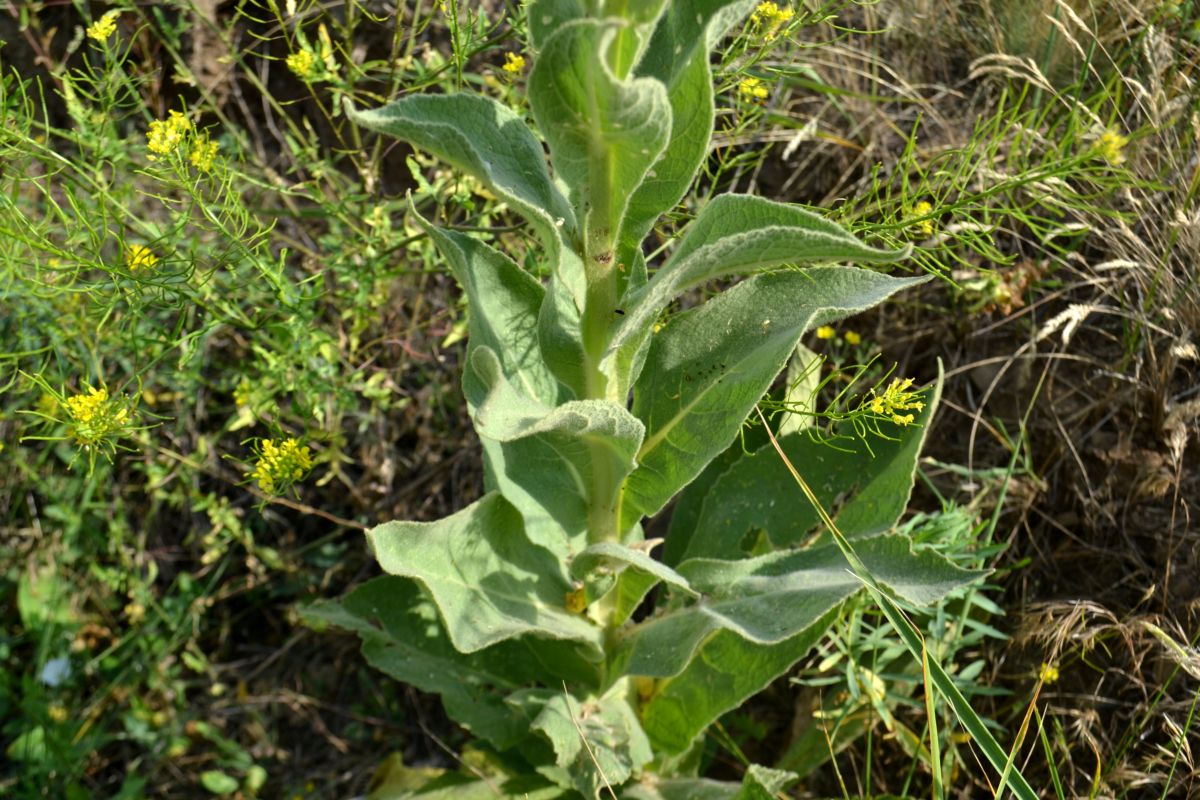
(281, 466)
(530, 610)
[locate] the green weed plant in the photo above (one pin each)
(582, 664)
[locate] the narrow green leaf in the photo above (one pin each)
(485, 139)
(489, 582)
(866, 485)
(555, 460)
(708, 367)
(734, 234)
(604, 133)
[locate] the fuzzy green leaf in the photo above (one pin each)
(604, 132)
(708, 367)
(489, 582)
(678, 56)
(457, 786)
(485, 139)
(733, 235)
(551, 456)
(771, 598)
(864, 484)
(503, 303)
(759, 783)
(757, 618)
(615, 748)
(621, 559)
(403, 637)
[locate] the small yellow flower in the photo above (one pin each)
(140, 257)
(852, 337)
(204, 153)
(280, 466)
(825, 332)
(770, 18)
(1048, 673)
(104, 27)
(135, 612)
(752, 89)
(1112, 146)
(84, 407)
(95, 418)
(165, 135)
(57, 713)
(301, 63)
(514, 63)
(925, 226)
(893, 400)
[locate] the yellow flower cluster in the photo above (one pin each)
(1048, 673)
(204, 154)
(95, 417)
(165, 135)
(925, 226)
(752, 89)
(280, 466)
(1112, 147)
(770, 18)
(514, 63)
(825, 332)
(85, 407)
(301, 63)
(893, 400)
(104, 27)
(140, 257)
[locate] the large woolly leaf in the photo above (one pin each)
(678, 56)
(734, 234)
(604, 132)
(485, 139)
(458, 786)
(618, 557)
(865, 484)
(557, 464)
(503, 302)
(403, 637)
(708, 367)
(489, 582)
(759, 783)
(545, 17)
(757, 617)
(596, 742)
(771, 598)
(725, 672)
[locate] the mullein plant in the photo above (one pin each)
(581, 662)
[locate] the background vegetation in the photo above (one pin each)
(181, 289)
